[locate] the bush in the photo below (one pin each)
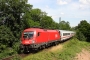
(16, 47)
(2, 47)
(80, 36)
(6, 38)
(7, 52)
(16, 57)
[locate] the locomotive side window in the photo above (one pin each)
(28, 34)
(38, 34)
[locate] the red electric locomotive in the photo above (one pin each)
(38, 38)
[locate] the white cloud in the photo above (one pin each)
(81, 6)
(33, 2)
(74, 6)
(62, 13)
(84, 4)
(61, 2)
(47, 7)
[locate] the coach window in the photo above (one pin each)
(64, 34)
(68, 33)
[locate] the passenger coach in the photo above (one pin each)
(66, 34)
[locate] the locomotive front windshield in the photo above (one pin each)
(28, 35)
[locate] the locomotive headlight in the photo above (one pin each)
(33, 41)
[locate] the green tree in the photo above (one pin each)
(84, 28)
(33, 18)
(46, 22)
(12, 12)
(11, 21)
(55, 25)
(6, 37)
(64, 25)
(80, 36)
(36, 14)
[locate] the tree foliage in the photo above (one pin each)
(64, 25)
(6, 37)
(46, 22)
(11, 21)
(84, 28)
(80, 36)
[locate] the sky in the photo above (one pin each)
(72, 11)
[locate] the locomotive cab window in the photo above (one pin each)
(28, 34)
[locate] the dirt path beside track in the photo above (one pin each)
(55, 48)
(83, 55)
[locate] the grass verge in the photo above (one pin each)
(68, 52)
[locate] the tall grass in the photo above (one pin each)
(7, 53)
(67, 53)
